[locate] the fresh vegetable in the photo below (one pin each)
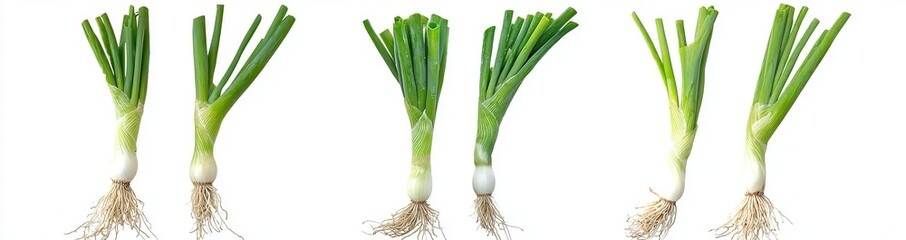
(658, 216)
(415, 51)
(213, 101)
(124, 63)
(756, 216)
(521, 45)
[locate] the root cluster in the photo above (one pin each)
(490, 219)
(113, 212)
(206, 210)
(755, 218)
(654, 221)
(416, 219)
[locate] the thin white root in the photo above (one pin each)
(755, 218)
(206, 211)
(490, 219)
(114, 211)
(654, 221)
(416, 219)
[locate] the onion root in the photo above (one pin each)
(490, 219)
(416, 219)
(755, 218)
(654, 221)
(113, 212)
(206, 210)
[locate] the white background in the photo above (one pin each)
(320, 143)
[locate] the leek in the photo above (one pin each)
(756, 216)
(521, 45)
(658, 216)
(213, 101)
(415, 51)
(124, 63)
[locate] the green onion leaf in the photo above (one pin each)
(773, 95)
(414, 50)
(693, 58)
(229, 72)
(124, 63)
(522, 45)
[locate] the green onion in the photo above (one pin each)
(415, 51)
(213, 101)
(658, 216)
(521, 46)
(755, 216)
(125, 67)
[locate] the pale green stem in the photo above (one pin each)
(681, 138)
(208, 118)
(755, 150)
(128, 118)
(488, 127)
(422, 136)
(761, 119)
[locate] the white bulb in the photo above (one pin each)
(483, 180)
(668, 181)
(124, 166)
(419, 186)
(203, 171)
(753, 175)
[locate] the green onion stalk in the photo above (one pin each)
(124, 63)
(657, 217)
(415, 51)
(214, 99)
(756, 216)
(521, 46)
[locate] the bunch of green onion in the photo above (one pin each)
(415, 51)
(755, 216)
(521, 45)
(213, 101)
(658, 216)
(125, 67)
